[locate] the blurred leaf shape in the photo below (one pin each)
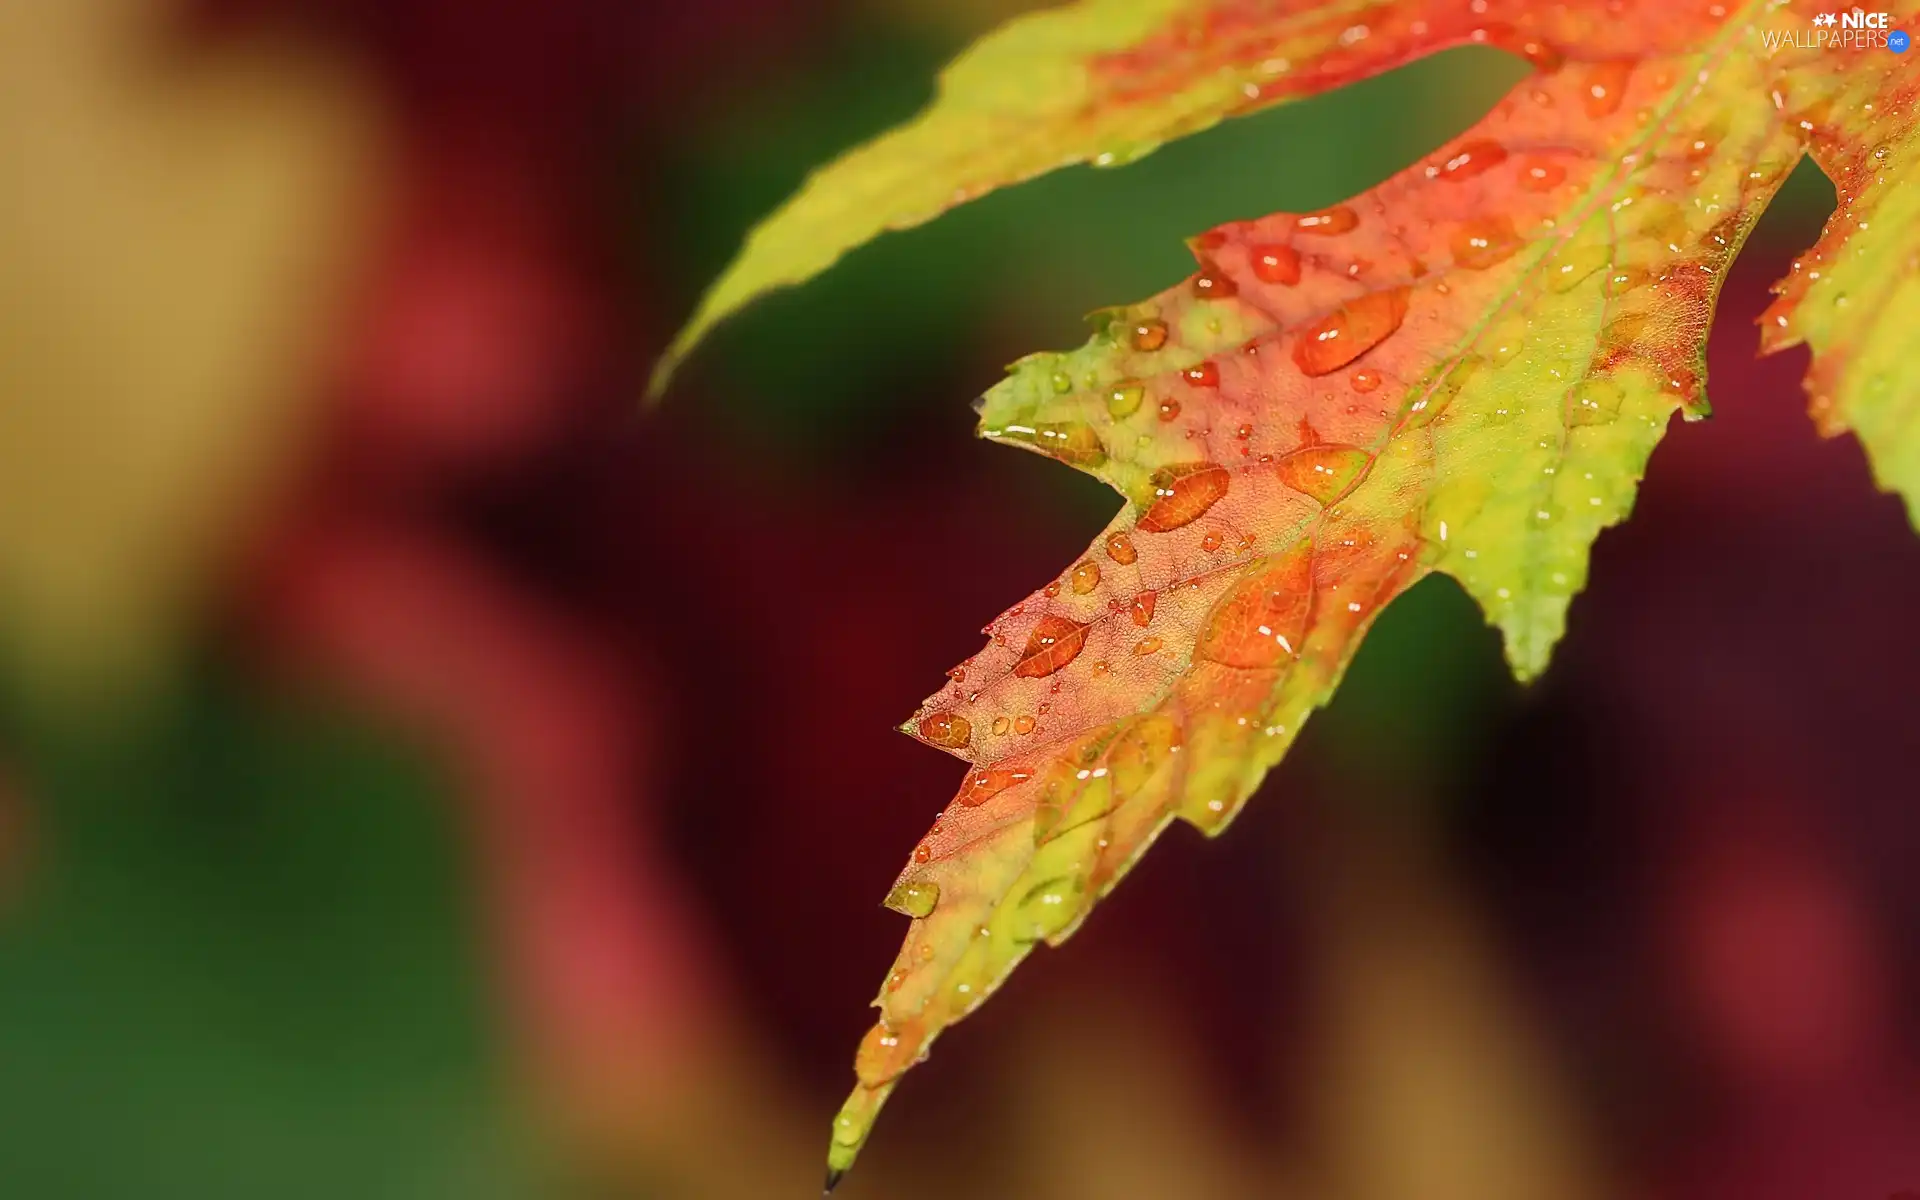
(175, 224)
(1462, 370)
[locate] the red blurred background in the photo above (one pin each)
(431, 774)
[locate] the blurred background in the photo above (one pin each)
(424, 774)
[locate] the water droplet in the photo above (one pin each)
(948, 729)
(915, 899)
(922, 853)
(1150, 335)
(1345, 334)
(1605, 86)
(886, 1051)
(1071, 442)
(1049, 907)
(1001, 725)
(1023, 725)
(1142, 610)
(1086, 577)
(1051, 590)
(1623, 332)
(1541, 175)
(1594, 401)
(1146, 646)
(1203, 374)
(1182, 492)
(1567, 271)
(1275, 263)
(1468, 159)
(988, 782)
(1328, 221)
(1124, 400)
(1120, 549)
(1169, 409)
(1543, 56)
(1212, 542)
(1431, 403)
(1211, 284)
(1622, 280)
(1054, 642)
(1262, 621)
(1506, 340)
(1481, 242)
(846, 1131)
(1324, 472)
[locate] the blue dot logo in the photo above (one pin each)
(1897, 41)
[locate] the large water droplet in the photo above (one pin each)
(1604, 86)
(1568, 270)
(1328, 221)
(1086, 577)
(847, 1131)
(1625, 278)
(1204, 374)
(1054, 642)
(1142, 610)
(1427, 405)
(1344, 335)
(1541, 175)
(1212, 284)
(987, 782)
(1120, 549)
(1542, 55)
(1470, 158)
(916, 899)
(1149, 335)
(1324, 472)
(1594, 401)
(1481, 242)
(947, 729)
(1275, 263)
(1183, 492)
(1262, 621)
(1124, 399)
(1049, 907)
(1071, 442)
(1505, 341)
(887, 1050)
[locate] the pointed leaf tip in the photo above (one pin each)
(834, 1176)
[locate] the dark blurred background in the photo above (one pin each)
(426, 774)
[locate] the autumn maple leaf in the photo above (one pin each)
(1462, 370)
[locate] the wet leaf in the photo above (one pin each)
(1854, 298)
(1462, 370)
